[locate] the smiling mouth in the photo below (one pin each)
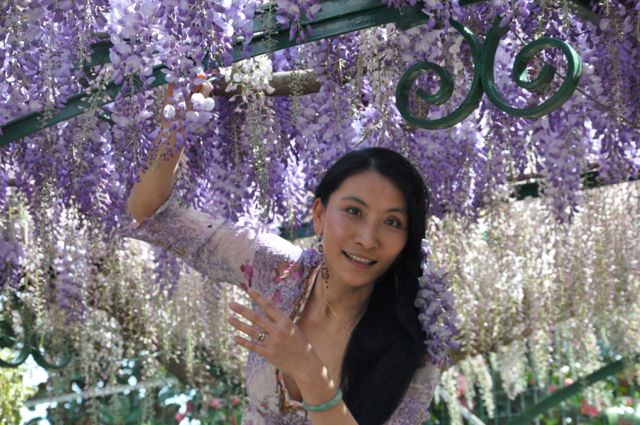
(359, 260)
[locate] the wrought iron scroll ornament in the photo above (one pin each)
(339, 17)
(484, 80)
(30, 342)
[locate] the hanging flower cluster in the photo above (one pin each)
(437, 315)
(95, 157)
(528, 297)
(291, 13)
(110, 300)
(539, 294)
(254, 158)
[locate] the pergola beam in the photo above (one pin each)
(337, 17)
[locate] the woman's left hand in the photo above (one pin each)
(283, 343)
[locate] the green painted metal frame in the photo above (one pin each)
(31, 342)
(569, 391)
(468, 105)
(483, 56)
(336, 17)
(519, 75)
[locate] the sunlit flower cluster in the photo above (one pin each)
(535, 271)
(539, 294)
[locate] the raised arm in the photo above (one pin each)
(156, 183)
(216, 248)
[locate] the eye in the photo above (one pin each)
(394, 222)
(353, 211)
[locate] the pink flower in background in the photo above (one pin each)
(589, 409)
(235, 400)
(462, 386)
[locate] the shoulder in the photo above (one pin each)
(425, 378)
(281, 277)
(280, 260)
(415, 405)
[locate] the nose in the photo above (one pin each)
(367, 236)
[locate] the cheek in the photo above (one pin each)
(333, 234)
(396, 244)
(337, 225)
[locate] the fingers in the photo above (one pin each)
(249, 345)
(279, 329)
(251, 316)
(204, 87)
(271, 311)
(199, 99)
(245, 328)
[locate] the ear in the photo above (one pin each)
(318, 213)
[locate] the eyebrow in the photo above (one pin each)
(361, 202)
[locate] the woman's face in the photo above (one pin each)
(363, 227)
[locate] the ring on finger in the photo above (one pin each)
(261, 335)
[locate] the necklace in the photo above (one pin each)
(347, 329)
(327, 303)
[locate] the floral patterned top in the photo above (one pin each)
(284, 274)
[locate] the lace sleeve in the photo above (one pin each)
(414, 407)
(218, 249)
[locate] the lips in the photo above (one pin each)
(359, 260)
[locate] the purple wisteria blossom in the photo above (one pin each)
(290, 13)
(11, 262)
(437, 314)
(255, 159)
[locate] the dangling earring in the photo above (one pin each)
(324, 271)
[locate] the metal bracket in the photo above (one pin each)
(31, 343)
(337, 17)
(484, 80)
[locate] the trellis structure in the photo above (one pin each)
(339, 17)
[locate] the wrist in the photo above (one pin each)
(316, 384)
(337, 398)
(311, 372)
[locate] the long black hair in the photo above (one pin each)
(387, 344)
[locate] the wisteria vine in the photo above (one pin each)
(255, 158)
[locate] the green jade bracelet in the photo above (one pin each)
(326, 406)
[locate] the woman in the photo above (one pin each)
(334, 338)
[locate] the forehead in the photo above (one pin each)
(373, 188)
